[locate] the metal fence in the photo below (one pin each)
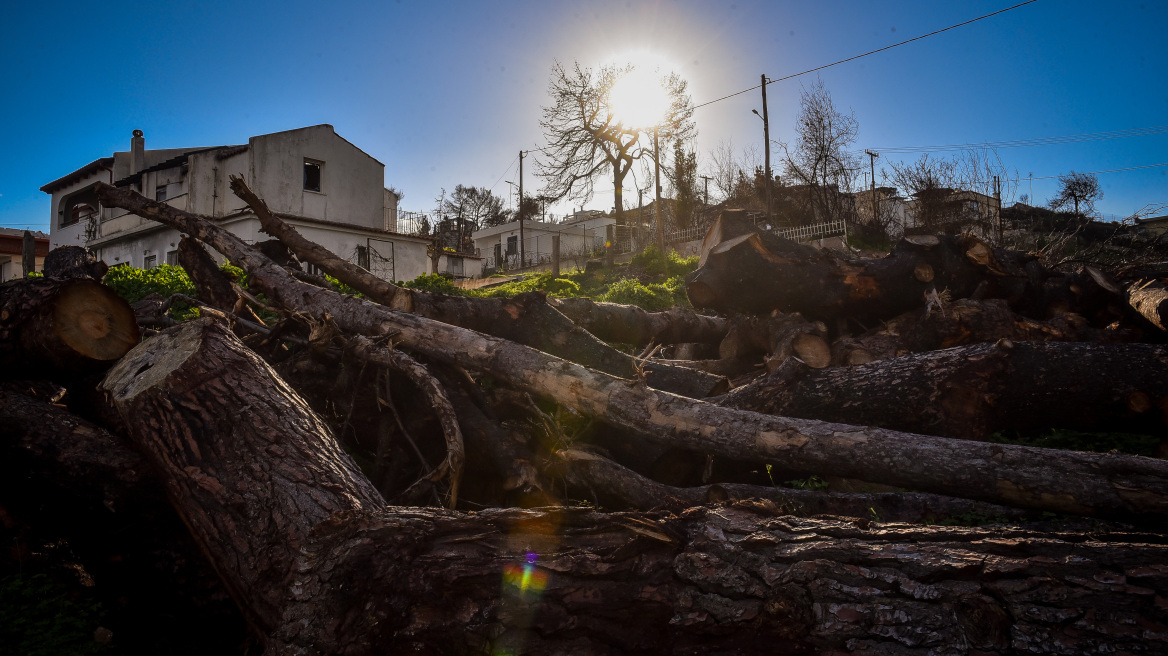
(813, 231)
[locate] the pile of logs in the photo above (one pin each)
(406, 471)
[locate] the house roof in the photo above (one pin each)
(85, 171)
(168, 164)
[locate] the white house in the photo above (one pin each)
(328, 189)
(499, 245)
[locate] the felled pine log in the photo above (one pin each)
(629, 324)
(1072, 482)
(961, 322)
(972, 391)
(62, 326)
(320, 566)
(748, 270)
(526, 319)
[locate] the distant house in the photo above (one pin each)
(327, 188)
(1153, 226)
(952, 211)
(583, 233)
(12, 252)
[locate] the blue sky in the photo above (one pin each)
(447, 93)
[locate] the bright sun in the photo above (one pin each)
(638, 100)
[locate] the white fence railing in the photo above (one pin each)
(813, 231)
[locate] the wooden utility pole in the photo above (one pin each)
(707, 179)
(522, 259)
(640, 217)
(872, 161)
(766, 137)
(657, 183)
(28, 253)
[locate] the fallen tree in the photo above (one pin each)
(973, 391)
(302, 539)
(1078, 483)
(319, 566)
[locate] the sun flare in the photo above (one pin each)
(637, 99)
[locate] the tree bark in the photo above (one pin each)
(970, 392)
(526, 319)
(71, 326)
(1071, 482)
(249, 490)
(629, 324)
(965, 321)
(320, 568)
(747, 270)
(620, 488)
(1149, 298)
(213, 287)
(73, 262)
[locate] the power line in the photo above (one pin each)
(1130, 168)
(1038, 141)
(871, 52)
(508, 170)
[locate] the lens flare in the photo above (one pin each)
(526, 577)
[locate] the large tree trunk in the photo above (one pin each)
(526, 319)
(973, 391)
(1034, 478)
(629, 324)
(320, 568)
(249, 490)
(73, 325)
(743, 269)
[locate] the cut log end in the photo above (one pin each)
(142, 368)
(93, 321)
(813, 350)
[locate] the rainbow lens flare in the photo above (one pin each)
(526, 577)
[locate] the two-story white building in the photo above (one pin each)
(328, 189)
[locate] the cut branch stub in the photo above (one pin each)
(74, 325)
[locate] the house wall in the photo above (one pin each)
(352, 182)
(73, 234)
(537, 236)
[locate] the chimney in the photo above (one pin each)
(137, 152)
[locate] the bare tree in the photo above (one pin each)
(1078, 189)
(733, 175)
(818, 159)
(955, 195)
(586, 137)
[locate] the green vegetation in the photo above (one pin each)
(135, 284)
(1069, 440)
(41, 616)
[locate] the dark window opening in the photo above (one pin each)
(160, 193)
(149, 262)
(172, 257)
(512, 245)
(311, 176)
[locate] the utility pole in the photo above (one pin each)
(522, 260)
(657, 170)
(766, 136)
(707, 179)
(872, 161)
(640, 217)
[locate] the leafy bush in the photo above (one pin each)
(135, 284)
(653, 263)
(432, 282)
(630, 291)
(565, 285)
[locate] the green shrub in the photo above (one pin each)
(653, 263)
(135, 284)
(630, 291)
(564, 285)
(432, 282)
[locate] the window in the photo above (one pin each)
(172, 257)
(149, 262)
(512, 245)
(160, 193)
(312, 175)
